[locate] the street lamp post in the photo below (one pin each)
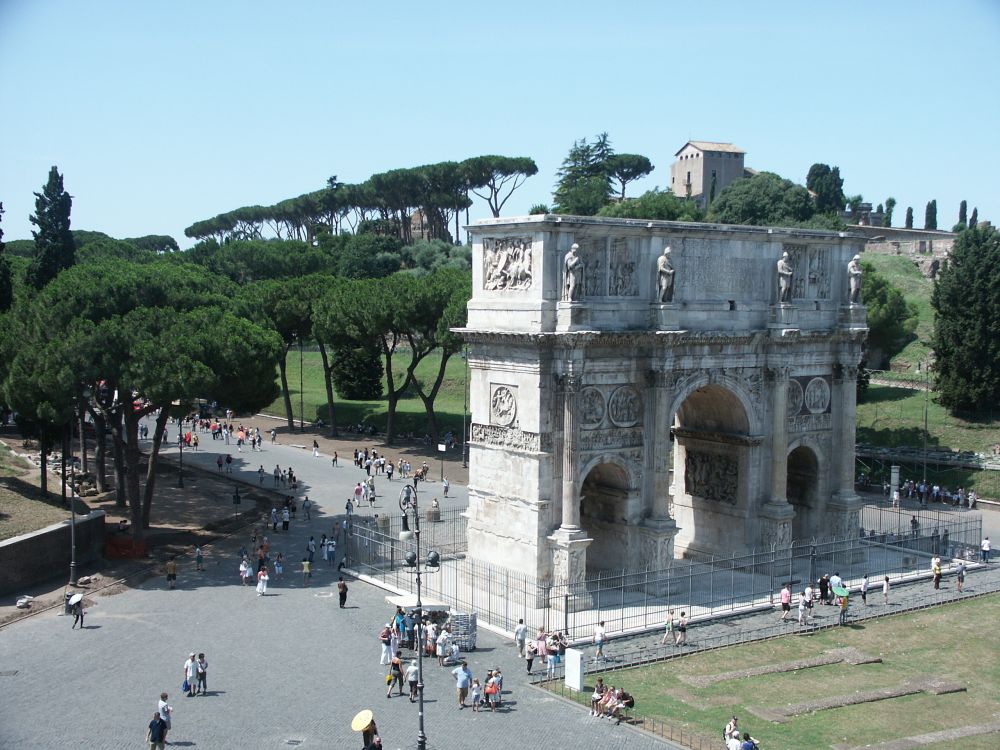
(302, 413)
(180, 446)
(407, 502)
(72, 498)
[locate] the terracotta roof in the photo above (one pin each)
(712, 146)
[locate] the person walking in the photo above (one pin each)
(311, 549)
(385, 639)
(191, 673)
(396, 674)
(219, 462)
(412, 677)
(960, 577)
(864, 591)
(786, 602)
(306, 572)
(342, 591)
(285, 518)
(885, 591)
(156, 733)
(260, 475)
(598, 639)
(682, 629)
(171, 573)
(307, 507)
(333, 461)
(986, 549)
(199, 560)
(262, 579)
(530, 649)
(202, 675)
(520, 632)
(78, 612)
(279, 564)
(445, 485)
(315, 449)
(166, 711)
(802, 606)
(229, 463)
(463, 681)
(668, 629)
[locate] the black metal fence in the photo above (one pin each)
(640, 599)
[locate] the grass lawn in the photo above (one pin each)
(410, 413)
(944, 642)
(892, 417)
(20, 514)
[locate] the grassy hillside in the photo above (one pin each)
(411, 416)
(916, 288)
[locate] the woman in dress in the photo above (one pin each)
(244, 570)
(262, 579)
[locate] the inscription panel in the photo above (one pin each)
(602, 440)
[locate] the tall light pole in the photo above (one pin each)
(407, 502)
(927, 388)
(302, 413)
(180, 446)
(72, 497)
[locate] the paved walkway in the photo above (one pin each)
(287, 668)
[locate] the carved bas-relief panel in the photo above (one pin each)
(602, 440)
(503, 405)
(711, 476)
(507, 263)
(508, 437)
(595, 275)
(592, 408)
(809, 404)
(812, 279)
(624, 406)
(622, 280)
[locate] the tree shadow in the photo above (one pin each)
(875, 394)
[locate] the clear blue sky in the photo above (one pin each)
(163, 113)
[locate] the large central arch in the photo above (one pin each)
(713, 493)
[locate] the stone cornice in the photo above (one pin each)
(711, 436)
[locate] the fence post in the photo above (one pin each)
(566, 612)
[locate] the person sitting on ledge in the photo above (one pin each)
(123, 526)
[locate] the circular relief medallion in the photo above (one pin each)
(794, 397)
(591, 408)
(623, 406)
(503, 406)
(817, 395)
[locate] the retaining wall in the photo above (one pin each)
(32, 558)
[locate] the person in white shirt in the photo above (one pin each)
(520, 634)
(600, 636)
(985, 549)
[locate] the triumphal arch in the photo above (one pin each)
(642, 390)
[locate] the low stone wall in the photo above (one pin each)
(32, 558)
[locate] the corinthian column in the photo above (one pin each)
(778, 378)
(571, 482)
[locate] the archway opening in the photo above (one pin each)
(802, 491)
(710, 488)
(604, 511)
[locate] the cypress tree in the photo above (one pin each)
(974, 219)
(930, 215)
(54, 246)
(909, 217)
(962, 208)
(966, 302)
